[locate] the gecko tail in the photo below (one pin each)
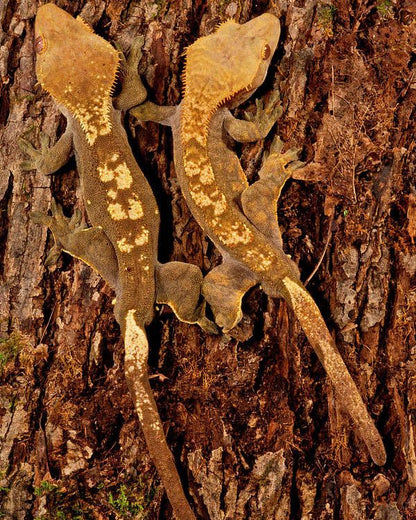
(136, 356)
(319, 337)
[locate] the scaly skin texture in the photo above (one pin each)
(241, 219)
(78, 68)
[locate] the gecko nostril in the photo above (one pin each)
(39, 44)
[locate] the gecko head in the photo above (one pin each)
(231, 63)
(77, 67)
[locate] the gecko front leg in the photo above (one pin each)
(89, 244)
(259, 200)
(149, 111)
(258, 125)
(48, 159)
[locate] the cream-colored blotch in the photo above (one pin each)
(116, 211)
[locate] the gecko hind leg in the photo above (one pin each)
(178, 285)
(90, 245)
(223, 288)
(259, 200)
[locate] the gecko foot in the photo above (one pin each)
(133, 91)
(178, 284)
(205, 323)
(61, 228)
(267, 113)
(277, 163)
(37, 157)
(223, 289)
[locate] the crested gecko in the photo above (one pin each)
(79, 68)
(222, 70)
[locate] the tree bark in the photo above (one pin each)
(252, 420)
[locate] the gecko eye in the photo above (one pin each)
(265, 53)
(39, 44)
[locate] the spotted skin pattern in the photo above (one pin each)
(238, 218)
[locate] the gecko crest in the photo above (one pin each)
(86, 24)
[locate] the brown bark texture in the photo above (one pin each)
(254, 425)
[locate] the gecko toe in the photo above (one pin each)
(53, 256)
(40, 218)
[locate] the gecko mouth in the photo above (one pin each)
(240, 96)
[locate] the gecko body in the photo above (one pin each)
(221, 71)
(78, 68)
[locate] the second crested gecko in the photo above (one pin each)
(222, 70)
